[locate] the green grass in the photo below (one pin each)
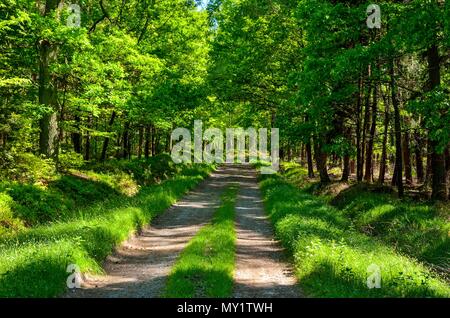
(332, 257)
(33, 261)
(206, 267)
(418, 229)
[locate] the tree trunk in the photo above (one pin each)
(359, 164)
(369, 153)
(407, 158)
(418, 156)
(76, 136)
(141, 141)
(321, 160)
(310, 160)
(126, 141)
(385, 140)
(346, 159)
(147, 141)
(398, 134)
(48, 136)
(153, 141)
(346, 168)
(87, 152)
(439, 175)
(106, 142)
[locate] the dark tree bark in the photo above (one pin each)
(147, 141)
(369, 152)
(398, 134)
(365, 128)
(48, 136)
(321, 160)
(141, 141)
(385, 140)
(418, 156)
(87, 146)
(106, 142)
(76, 136)
(428, 170)
(309, 160)
(439, 175)
(407, 158)
(153, 141)
(359, 163)
(126, 141)
(346, 157)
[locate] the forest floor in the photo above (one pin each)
(141, 266)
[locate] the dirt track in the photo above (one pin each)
(139, 268)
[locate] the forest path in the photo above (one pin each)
(140, 267)
(261, 270)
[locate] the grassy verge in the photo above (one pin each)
(33, 261)
(419, 229)
(205, 268)
(332, 257)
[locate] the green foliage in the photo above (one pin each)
(34, 205)
(205, 268)
(8, 223)
(70, 160)
(435, 109)
(26, 167)
(145, 171)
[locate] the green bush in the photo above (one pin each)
(36, 205)
(82, 191)
(70, 160)
(144, 171)
(26, 167)
(8, 223)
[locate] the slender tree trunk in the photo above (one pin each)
(346, 168)
(126, 141)
(76, 136)
(310, 160)
(398, 134)
(141, 141)
(87, 147)
(439, 178)
(153, 141)
(147, 141)
(407, 158)
(369, 153)
(385, 140)
(106, 142)
(428, 170)
(365, 128)
(359, 163)
(321, 159)
(418, 156)
(346, 158)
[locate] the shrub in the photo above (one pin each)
(26, 167)
(36, 205)
(70, 160)
(8, 223)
